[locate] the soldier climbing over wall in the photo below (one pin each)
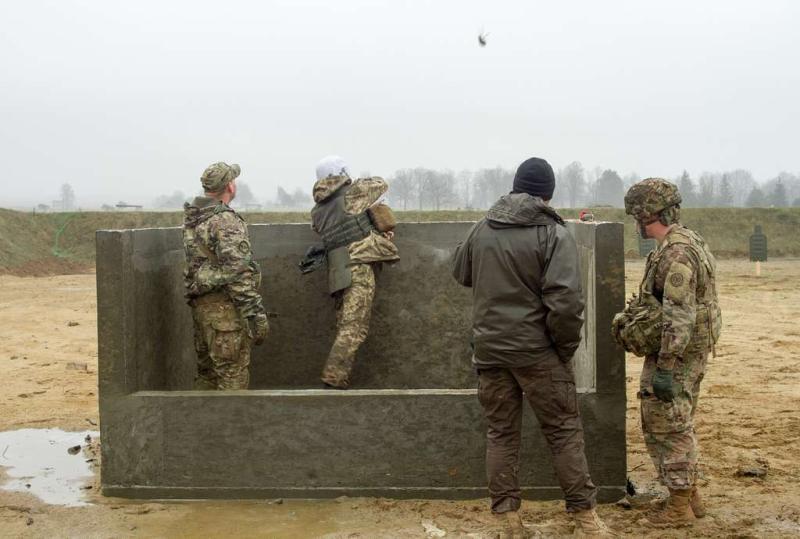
(357, 234)
(673, 322)
(222, 282)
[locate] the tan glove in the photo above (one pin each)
(382, 217)
(259, 328)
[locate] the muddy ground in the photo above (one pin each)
(749, 416)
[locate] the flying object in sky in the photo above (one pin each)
(482, 38)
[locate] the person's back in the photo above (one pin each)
(523, 268)
(522, 265)
(222, 283)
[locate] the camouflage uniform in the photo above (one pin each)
(222, 282)
(681, 276)
(353, 300)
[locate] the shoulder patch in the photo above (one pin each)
(677, 287)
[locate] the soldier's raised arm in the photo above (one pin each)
(364, 192)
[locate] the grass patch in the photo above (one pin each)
(32, 244)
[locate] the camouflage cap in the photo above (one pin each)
(218, 175)
(646, 199)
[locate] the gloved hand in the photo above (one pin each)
(259, 327)
(663, 385)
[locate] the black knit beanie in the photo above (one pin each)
(535, 177)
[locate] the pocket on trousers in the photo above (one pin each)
(226, 325)
(660, 417)
(564, 391)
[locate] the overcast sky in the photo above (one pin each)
(131, 100)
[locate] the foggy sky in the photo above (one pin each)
(131, 100)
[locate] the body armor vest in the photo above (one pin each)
(338, 230)
(638, 328)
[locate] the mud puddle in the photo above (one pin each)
(48, 463)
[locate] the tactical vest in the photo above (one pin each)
(338, 230)
(639, 327)
(708, 311)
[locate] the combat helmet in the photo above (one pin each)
(646, 200)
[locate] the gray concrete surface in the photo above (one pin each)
(412, 427)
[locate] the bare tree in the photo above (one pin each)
(440, 188)
(402, 187)
(741, 183)
(490, 184)
(420, 176)
(464, 188)
(573, 179)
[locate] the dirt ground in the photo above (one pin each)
(748, 416)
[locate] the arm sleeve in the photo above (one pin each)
(462, 260)
(679, 310)
(562, 295)
(363, 193)
(239, 274)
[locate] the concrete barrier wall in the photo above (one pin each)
(412, 426)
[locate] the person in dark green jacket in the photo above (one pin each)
(522, 265)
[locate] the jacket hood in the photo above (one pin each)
(521, 209)
(326, 187)
(198, 210)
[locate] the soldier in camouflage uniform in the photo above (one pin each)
(222, 282)
(351, 267)
(680, 274)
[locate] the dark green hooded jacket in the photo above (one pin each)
(522, 265)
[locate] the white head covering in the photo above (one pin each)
(333, 165)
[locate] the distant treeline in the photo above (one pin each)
(427, 189)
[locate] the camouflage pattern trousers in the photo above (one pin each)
(222, 342)
(549, 387)
(353, 312)
(668, 427)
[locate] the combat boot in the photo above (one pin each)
(512, 525)
(589, 524)
(696, 502)
(676, 512)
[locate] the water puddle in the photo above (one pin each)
(49, 463)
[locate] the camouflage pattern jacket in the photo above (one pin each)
(218, 255)
(681, 275)
(360, 195)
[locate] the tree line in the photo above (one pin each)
(428, 189)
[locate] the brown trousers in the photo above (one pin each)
(549, 386)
